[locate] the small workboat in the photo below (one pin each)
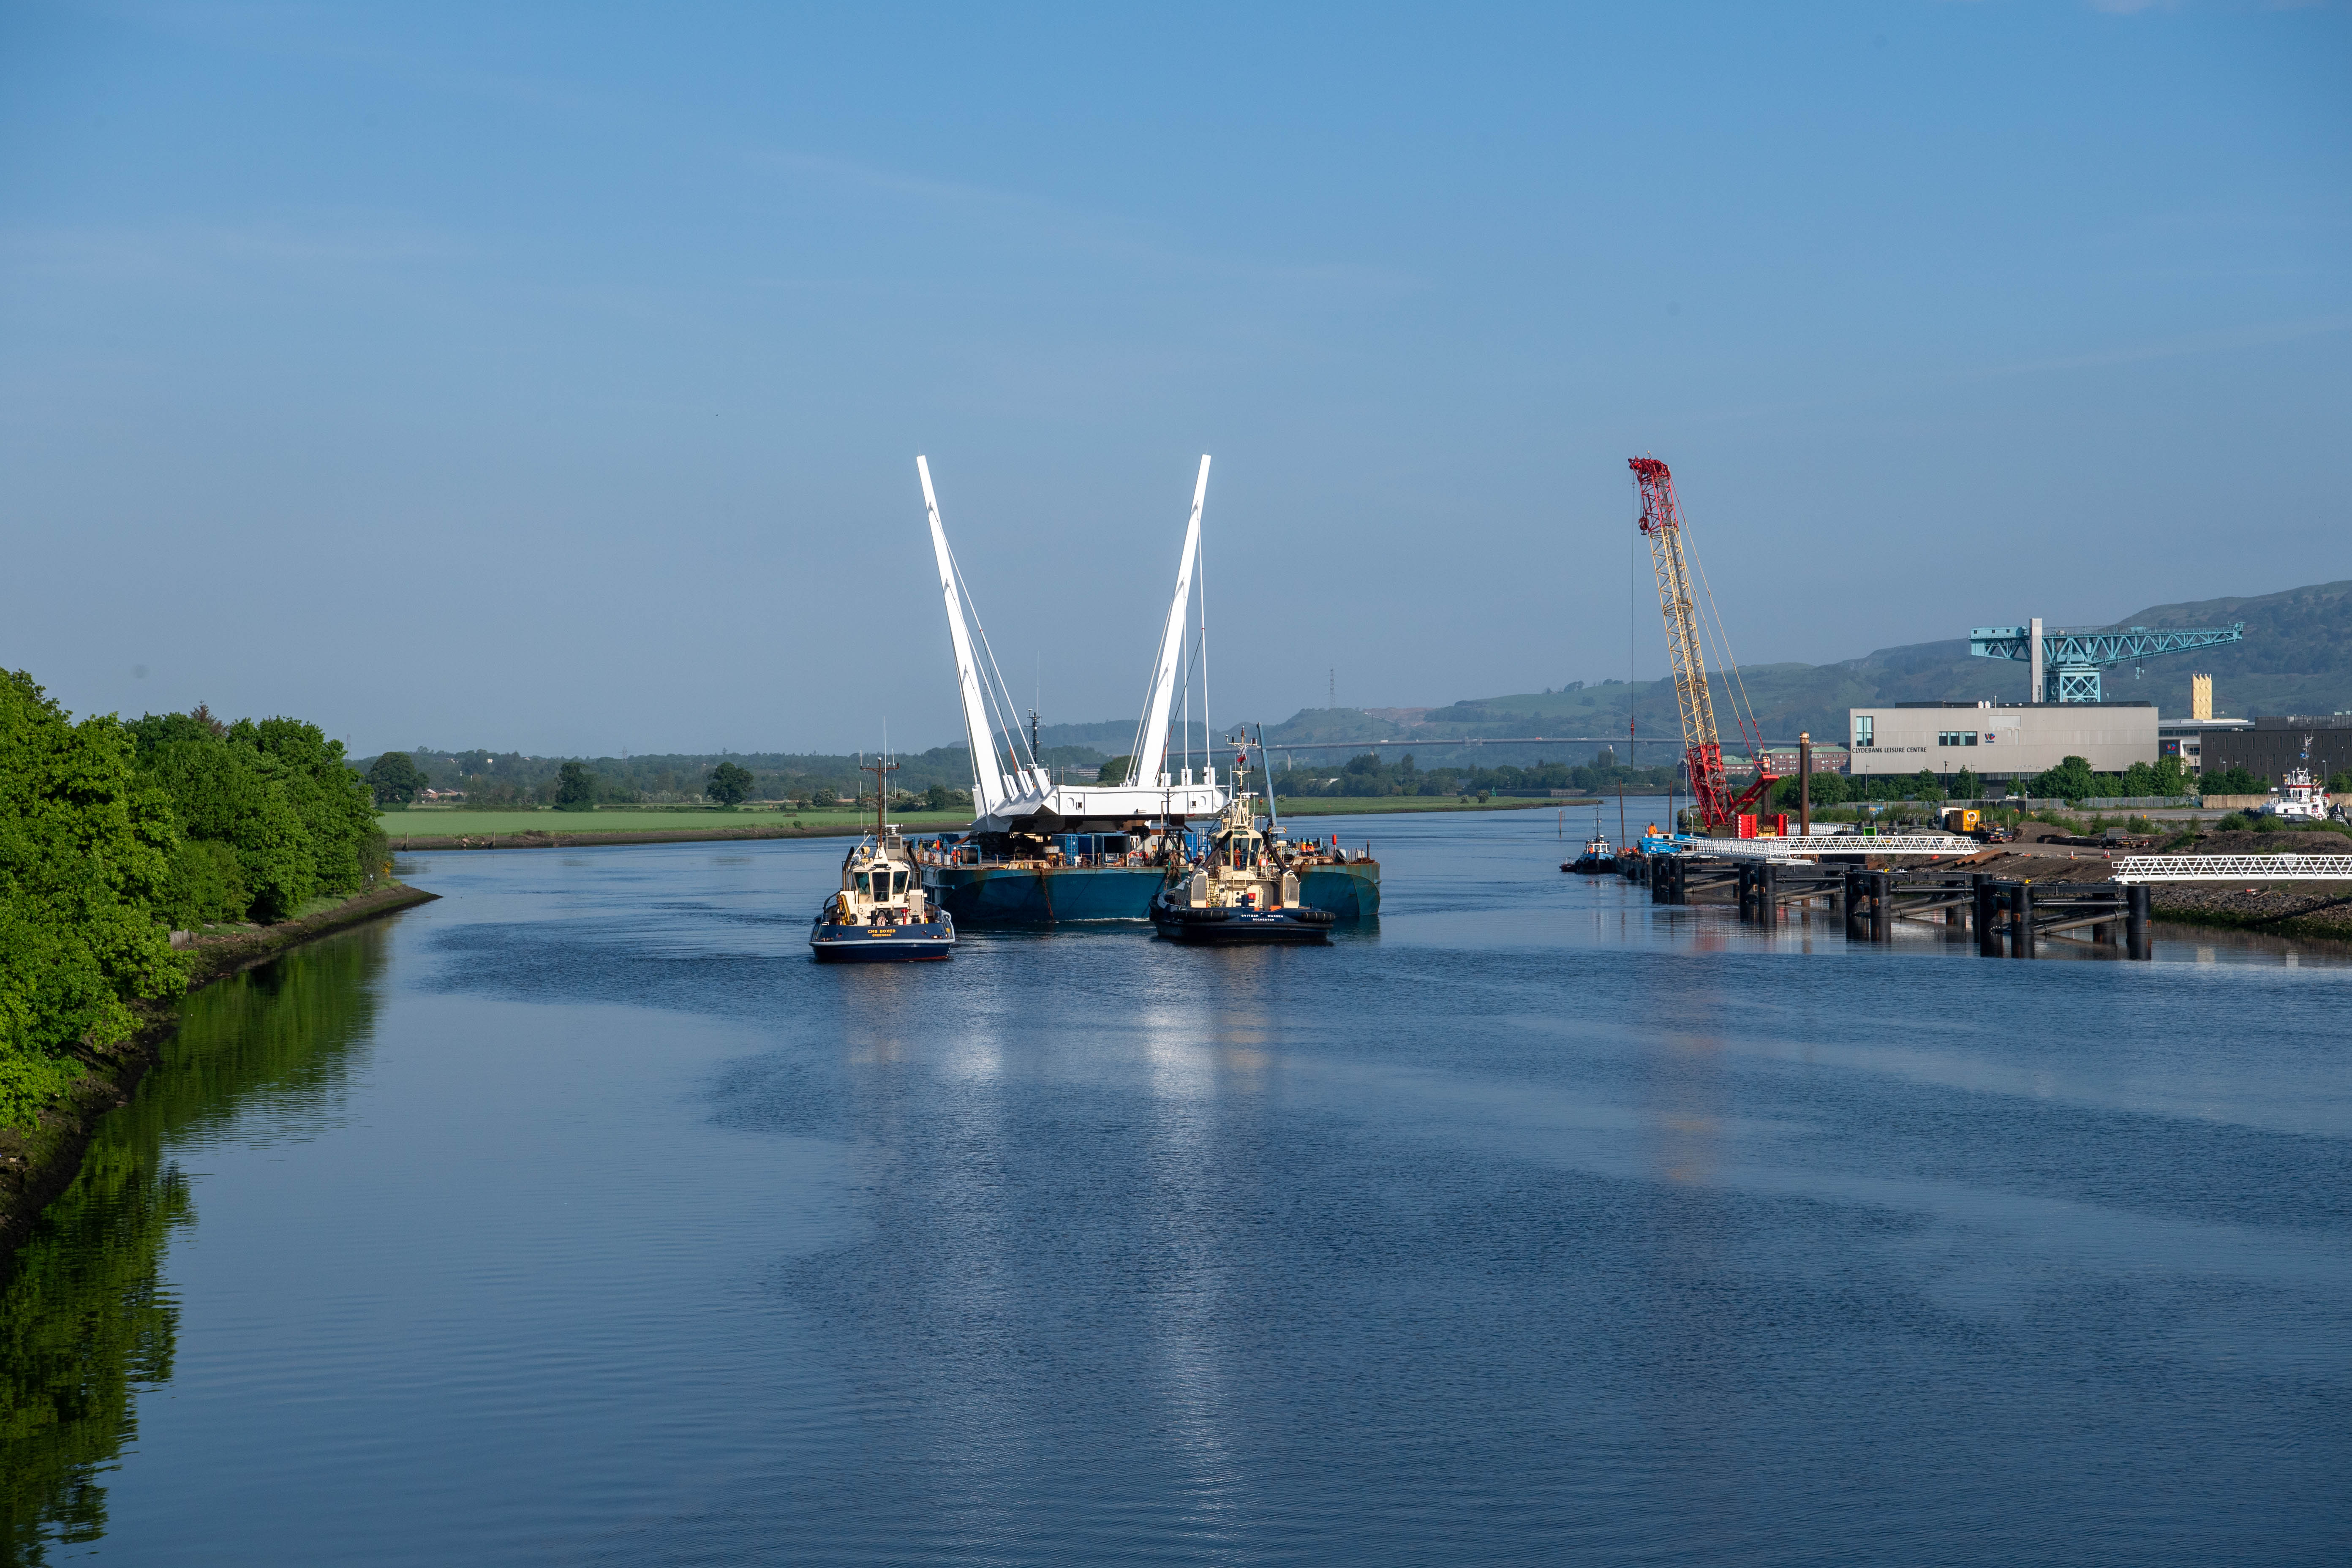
(881, 915)
(1241, 890)
(1599, 858)
(2299, 797)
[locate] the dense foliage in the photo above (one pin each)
(575, 788)
(730, 785)
(396, 778)
(285, 819)
(114, 835)
(85, 852)
(2072, 780)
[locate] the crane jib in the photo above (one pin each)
(1662, 525)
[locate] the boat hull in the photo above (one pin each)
(1349, 891)
(1046, 895)
(1042, 895)
(882, 944)
(1232, 928)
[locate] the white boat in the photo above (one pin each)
(2297, 799)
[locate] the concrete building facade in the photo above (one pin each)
(2268, 747)
(2000, 740)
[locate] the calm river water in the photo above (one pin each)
(579, 1218)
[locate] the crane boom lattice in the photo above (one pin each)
(1661, 525)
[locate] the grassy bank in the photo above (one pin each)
(1356, 805)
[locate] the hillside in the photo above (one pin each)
(2297, 659)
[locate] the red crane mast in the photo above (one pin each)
(1662, 525)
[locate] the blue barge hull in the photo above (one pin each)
(1044, 895)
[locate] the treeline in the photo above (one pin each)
(1367, 775)
(510, 780)
(113, 835)
(2071, 780)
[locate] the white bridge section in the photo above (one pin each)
(2233, 869)
(1793, 849)
(1026, 798)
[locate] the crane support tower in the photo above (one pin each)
(1661, 525)
(2068, 663)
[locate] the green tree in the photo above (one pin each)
(1115, 771)
(575, 788)
(332, 800)
(84, 854)
(1966, 785)
(229, 793)
(826, 796)
(730, 785)
(2232, 780)
(2071, 780)
(396, 778)
(939, 797)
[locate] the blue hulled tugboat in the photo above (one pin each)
(1598, 859)
(1240, 891)
(881, 914)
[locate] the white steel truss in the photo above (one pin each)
(1793, 847)
(2233, 869)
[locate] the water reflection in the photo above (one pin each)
(86, 1318)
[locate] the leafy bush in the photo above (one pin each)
(207, 887)
(2071, 780)
(2232, 780)
(84, 852)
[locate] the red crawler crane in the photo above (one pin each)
(1662, 525)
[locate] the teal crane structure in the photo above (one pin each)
(2066, 665)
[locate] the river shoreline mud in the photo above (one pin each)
(38, 1163)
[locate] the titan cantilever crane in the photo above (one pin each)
(1662, 525)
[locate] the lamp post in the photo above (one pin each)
(1805, 783)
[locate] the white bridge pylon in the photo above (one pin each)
(1026, 798)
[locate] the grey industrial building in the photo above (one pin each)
(2000, 739)
(2268, 747)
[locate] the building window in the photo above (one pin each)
(1862, 729)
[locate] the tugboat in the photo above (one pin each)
(881, 915)
(1244, 889)
(1599, 858)
(2299, 797)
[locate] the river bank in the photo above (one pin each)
(38, 1163)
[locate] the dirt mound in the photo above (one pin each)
(2282, 842)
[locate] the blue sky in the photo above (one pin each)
(552, 376)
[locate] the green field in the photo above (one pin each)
(1355, 805)
(434, 822)
(439, 822)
